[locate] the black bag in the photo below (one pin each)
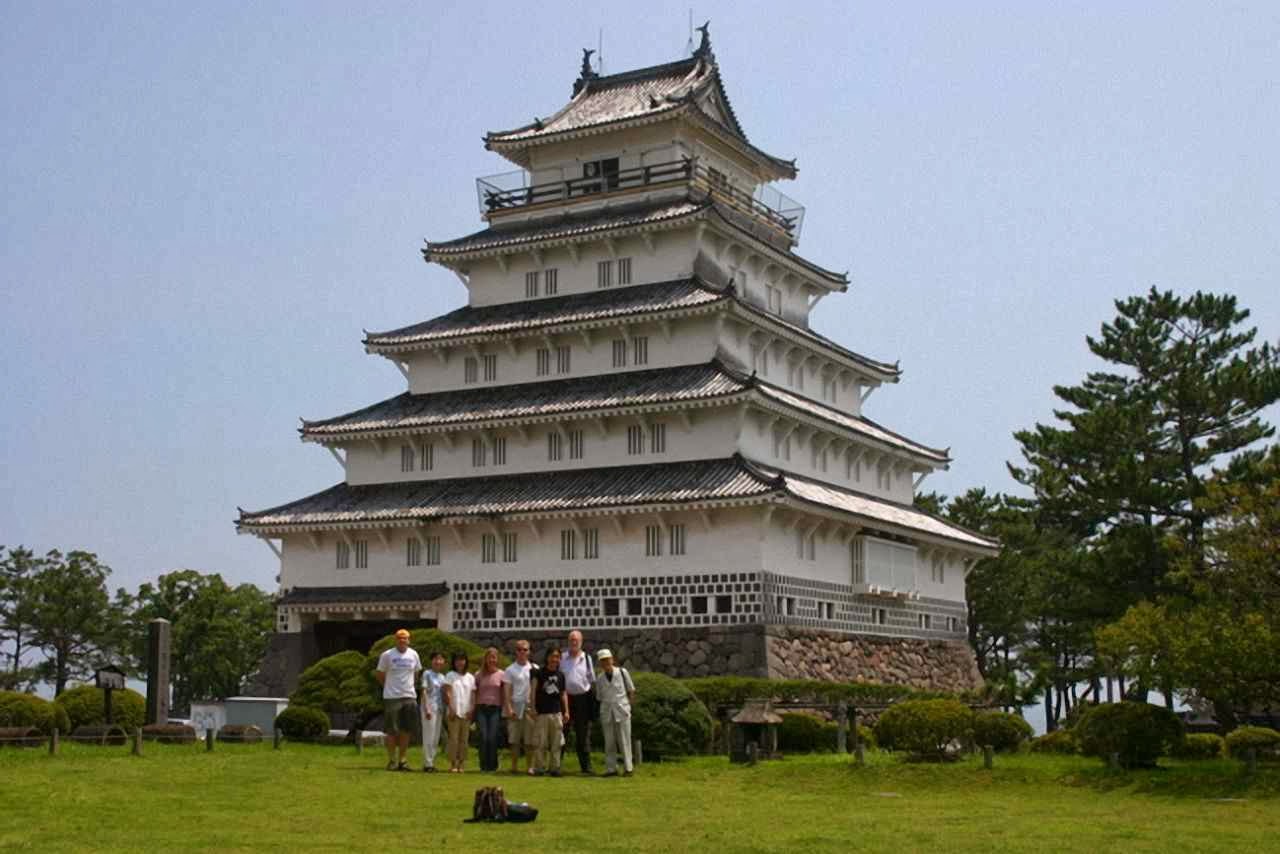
(489, 805)
(521, 813)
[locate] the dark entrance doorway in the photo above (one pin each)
(359, 635)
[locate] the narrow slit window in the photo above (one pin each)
(428, 456)
(531, 284)
(653, 541)
(640, 350)
(470, 369)
(568, 544)
(488, 548)
(500, 451)
(342, 559)
(543, 359)
(657, 438)
(619, 353)
(604, 274)
(413, 552)
(551, 281)
(591, 543)
(676, 537)
(509, 548)
(479, 454)
(406, 458)
(433, 551)
(624, 271)
(362, 554)
(490, 368)
(575, 444)
(635, 440)
(562, 360)
(555, 447)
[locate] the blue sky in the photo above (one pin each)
(203, 208)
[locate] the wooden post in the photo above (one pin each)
(987, 754)
(137, 741)
(359, 741)
(209, 736)
(53, 742)
(842, 728)
(859, 757)
(275, 738)
(637, 752)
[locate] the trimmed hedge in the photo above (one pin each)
(801, 732)
(303, 723)
(1058, 741)
(925, 728)
(1200, 745)
(83, 705)
(734, 691)
(667, 717)
(1264, 740)
(19, 709)
(1140, 732)
(1003, 731)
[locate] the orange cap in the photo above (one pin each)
(402, 633)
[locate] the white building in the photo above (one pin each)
(630, 428)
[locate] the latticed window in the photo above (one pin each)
(619, 353)
(362, 554)
(490, 368)
(479, 453)
(640, 350)
(591, 543)
(926, 621)
(406, 458)
(470, 369)
(858, 560)
(568, 544)
(500, 451)
(509, 548)
(575, 444)
(604, 274)
(488, 548)
(555, 447)
(562, 360)
(428, 456)
(342, 559)
(624, 271)
(551, 279)
(657, 438)
(433, 551)
(676, 537)
(543, 357)
(531, 284)
(653, 540)
(413, 552)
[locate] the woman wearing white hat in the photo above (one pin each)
(615, 692)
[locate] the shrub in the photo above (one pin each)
(866, 736)
(1139, 732)
(667, 718)
(427, 641)
(169, 733)
(924, 727)
(1200, 745)
(84, 707)
(1264, 740)
(19, 709)
(303, 723)
(801, 732)
(734, 691)
(1058, 741)
(1003, 731)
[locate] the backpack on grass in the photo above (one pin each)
(491, 804)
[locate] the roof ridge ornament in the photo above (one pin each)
(704, 47)
(586, 74)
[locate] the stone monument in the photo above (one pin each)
(158, 671)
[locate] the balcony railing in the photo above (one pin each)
(510, 191)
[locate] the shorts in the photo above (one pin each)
(520, 733)
(398, 715)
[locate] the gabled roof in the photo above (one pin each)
(574, 225)
(689, 88)
(361, 593)
(599, 490)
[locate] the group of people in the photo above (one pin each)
(540, 704)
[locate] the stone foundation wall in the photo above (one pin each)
(287, 655)
(938, 665)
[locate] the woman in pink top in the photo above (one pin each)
(489, 682)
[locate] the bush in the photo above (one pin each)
(924, 727)
(427, 641)
(84, 707)
(169, 733)
(1140, 732)
(19, 709)
(1003, 731)
(734, 691)
(1200, 745)
(1264, 740)
(303, 723)
(866, 736)
(1058, 741)
(667, 718)
(801, 732)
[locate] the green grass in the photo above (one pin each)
(251, 798)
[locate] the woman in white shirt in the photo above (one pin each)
(459, 700)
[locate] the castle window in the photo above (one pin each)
(500, 451)
(635, 607)
(676, 537)
(413, 552)
(479, 453)
(619, 353)
(604, 274)
(591, 543)
(509, 610)
(698, 604)
(543, 361)
(599, 175)
(724, 604)
(611, 607)
(343, 557)
(488, 548)
(488, 610)
(508, 548)
(406, 458)
(555, 447)
(433, 551)
(575, 444)
(635, 440)
(827, 610)
(640, 350)
(657, 438)
(653, 541)
(362, 554)
(882, 617)
(925, 621)
(774, 296)
(490, 368)
(470, 369)
(562, 360)
(568, 544)
(858, 560)
(551, 279)
(531, 284)
(953, 624)
(428, 456)
(624, 271)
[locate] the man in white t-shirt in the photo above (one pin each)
(516, 706)
(398, 671)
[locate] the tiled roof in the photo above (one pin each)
(362, 593)
(568, 225)
(553, 397)
(536, 492)
(590, 489)
(528, 314)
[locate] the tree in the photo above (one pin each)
(218, 633)
(17, 567)
(72, 619)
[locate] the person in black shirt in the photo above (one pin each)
(550, 710)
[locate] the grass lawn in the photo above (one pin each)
(251, 798)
